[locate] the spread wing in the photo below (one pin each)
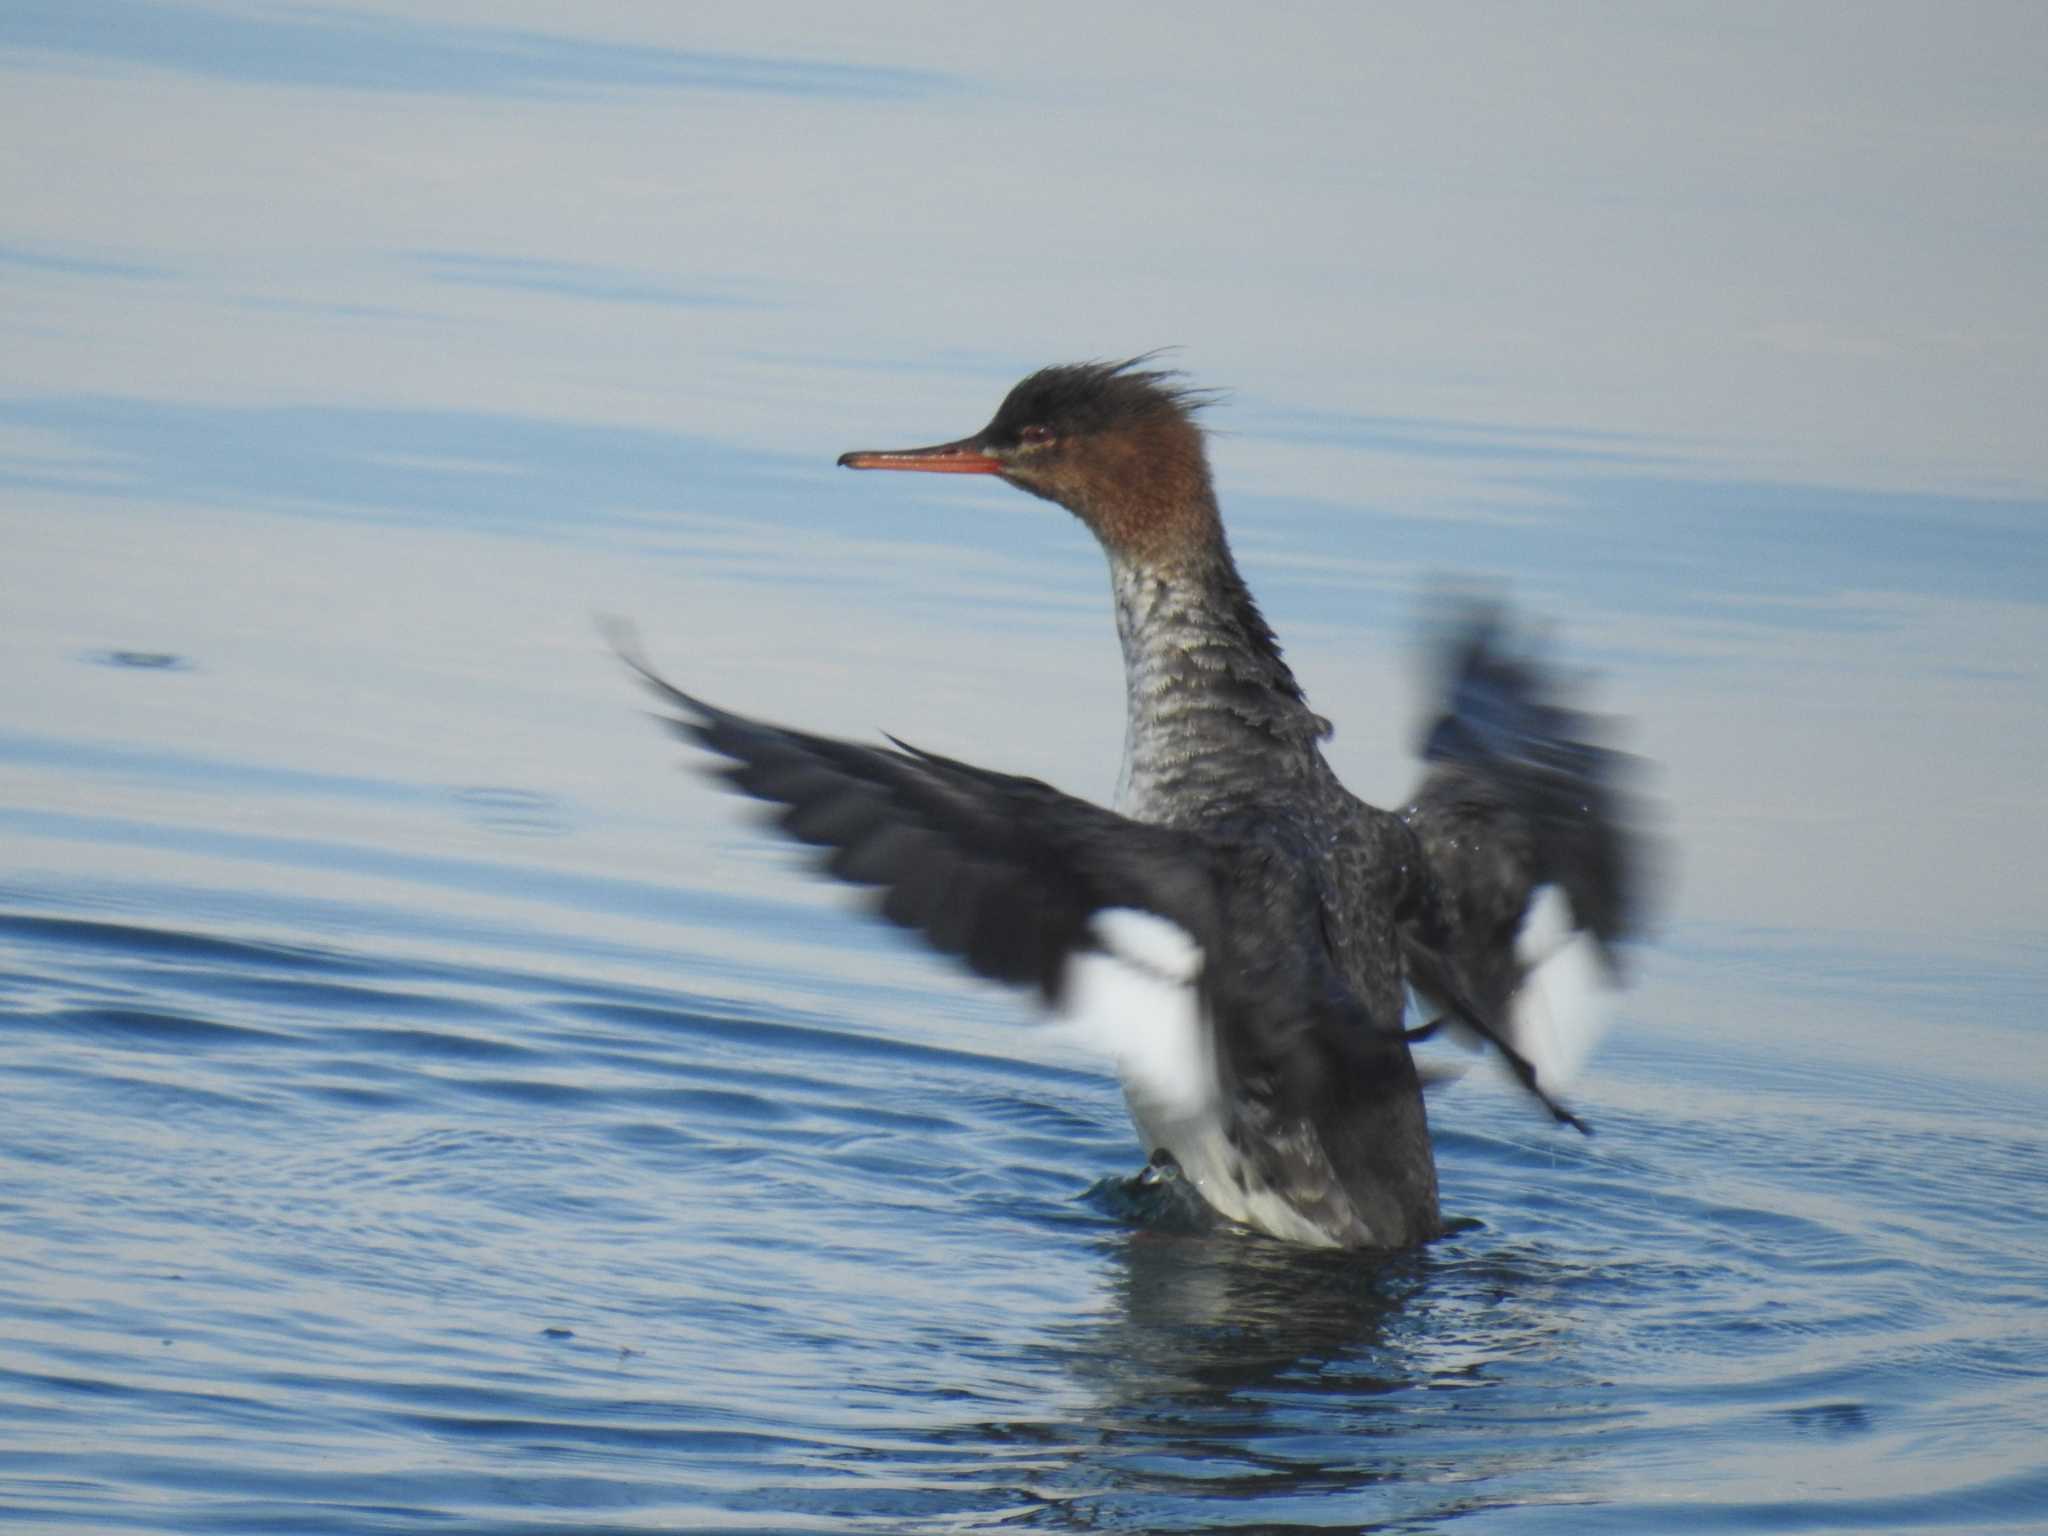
(1115, 924)
(1123, 928)
(1004, 873)
(1530, 848)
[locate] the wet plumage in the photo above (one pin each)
(1241, 931)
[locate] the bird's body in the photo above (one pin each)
(1220, 742)
(1242, 930)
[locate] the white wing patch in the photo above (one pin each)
(1136, 999)
(1565, 1003)
(1563, 1007)
(1146, 939)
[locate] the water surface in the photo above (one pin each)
(427, 1109)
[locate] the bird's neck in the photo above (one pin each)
(1214, 718)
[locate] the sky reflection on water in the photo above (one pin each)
(282, 274)
(357, 358)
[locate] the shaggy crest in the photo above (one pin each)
(1078, 398)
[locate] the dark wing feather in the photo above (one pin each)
(1001, 872)
(1518, 796)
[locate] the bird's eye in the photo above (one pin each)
(1035, 436)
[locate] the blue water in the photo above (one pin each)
(423, 1107)
(408, 1212)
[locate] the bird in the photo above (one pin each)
(1244, 935)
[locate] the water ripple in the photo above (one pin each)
(613, 1256)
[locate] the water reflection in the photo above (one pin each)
(1202, 1318)
(368, 1004)
(1238, 1384)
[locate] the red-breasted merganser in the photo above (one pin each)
(1242, 930)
